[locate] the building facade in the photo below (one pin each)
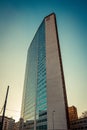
(79, 124)
(8, 123)
(73, 115)
(44, 97)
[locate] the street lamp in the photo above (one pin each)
(53, 118)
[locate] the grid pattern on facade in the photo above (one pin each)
(41, 103)
(35, 96)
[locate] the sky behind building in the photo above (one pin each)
(19, 20)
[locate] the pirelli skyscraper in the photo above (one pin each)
(44, 105)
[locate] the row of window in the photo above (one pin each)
(29, 109)
(41, 126)
(80, 128)
(79, 122)
(42, 120)
(41, 83)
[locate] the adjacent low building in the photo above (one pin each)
(17, 125)
(8, 123)
(73, 115)
(79, 124)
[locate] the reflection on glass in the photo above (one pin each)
(35, 93)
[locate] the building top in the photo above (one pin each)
(73, 115)
(9, 118)
(50, 15)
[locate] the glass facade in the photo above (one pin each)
(35, 94)
(41, 100)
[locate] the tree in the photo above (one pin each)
(84, 114)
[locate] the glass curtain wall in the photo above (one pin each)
(35, 94)
(41, 102)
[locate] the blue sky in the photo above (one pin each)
(19, 20)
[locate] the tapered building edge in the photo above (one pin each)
(64, 88)
(47, 19)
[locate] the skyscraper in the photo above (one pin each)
(44, 96)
